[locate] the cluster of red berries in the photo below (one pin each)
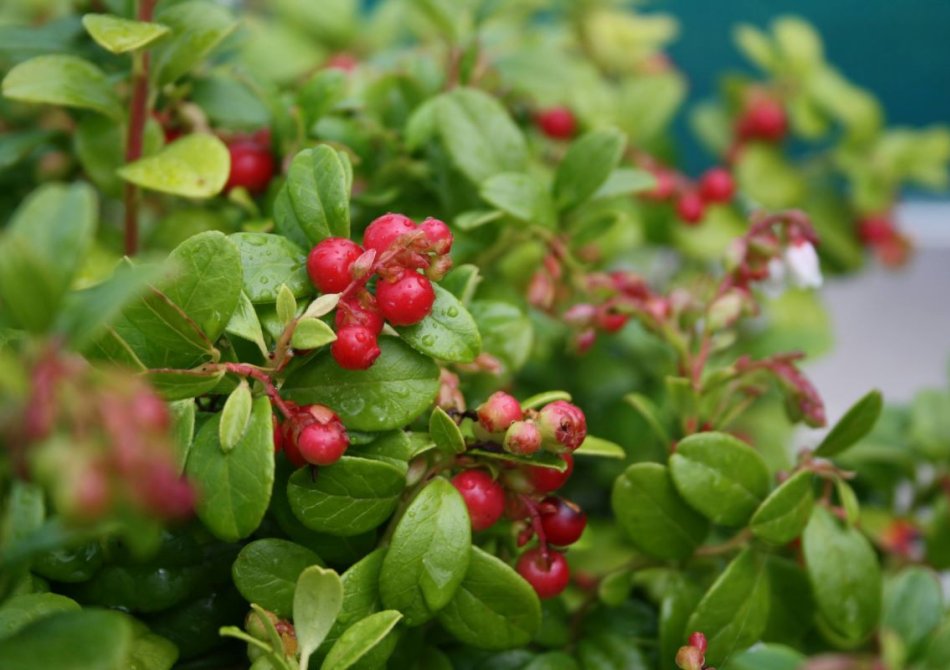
(692, 656)
(763, 119)
(715, 186)
(404, 256)
(252, 163)
(312, 434)
(558, 123)
(523, 496)
(879, 233)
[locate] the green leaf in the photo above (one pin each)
(653, 515)
(35, 310)
(462, 282)
(448, 333)
(266, 573)
(587, 165)
(493, 608)
(784, 514)
(197, 28)
(913, 606)
(120, 35)
(755, 45)
(679, 601)
(521, 195)
(445, 432)
(507, 333)
(929, 429)
(399, 386)
(844, 574)
(734, 611)
(623, 182)
(480, 137)
(245, 323)
(316, 197)
(195, 166)
(596, 446)
(270, 261)
(542, 459)
(720, 476)
(63, 80)
(350, 497)
(651, 414)
(235, 416)
(183, 429)
(767, 657)
(16, 146)
(150, 651)
(20, 611)
(794, 617)
(286, 306)
(89, 639)
(363, 641)
(428, 555)
(610, 651)
(184, 384)
(317, 601)
(543, 398)
(360, 593)
(854, 425)
(234, 487)
(849, 501)
(311, 334)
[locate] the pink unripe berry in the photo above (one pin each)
(698, 640)
(563, 426)
(717, 185)
(483, 496)
(522, 438)
(665, 185)
(690, 207)
(438, 235)
(690, 658)
(498, 412)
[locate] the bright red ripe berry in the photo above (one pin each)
(611, 322)
(522, 438)
(716, 185)
(359, 311)
(278, 434)
(483, 496)
(562, 425)
(764, 119)
(690, 207)
(322, 444)
(698, 640)
(563, 521)
(355, 348)
(546, 480)
(499, 411)
(557, 122)
(406, 301)
(252, 166)
(329, 264)
(875, 230)
(547, 578)
(438, 235)
(384, 231)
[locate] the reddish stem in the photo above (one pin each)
(245, 370)
(532, 507)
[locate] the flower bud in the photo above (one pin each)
(690, 658)
(563, 426)
(698, 640)
(522, 438)
(801, 260)
(498, 412)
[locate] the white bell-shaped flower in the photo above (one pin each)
(801, 262)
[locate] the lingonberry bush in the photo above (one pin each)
(398, 339)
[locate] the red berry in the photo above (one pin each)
(330, 261)
(355, 348)
(764, 119)
(665, 185)
(562, 521)
(149, 412)
(499, 411)
(384, 231)
(342, 61)
(438, 235)
(698, 640)
(690, 207)
(611, 322)
(875, 230)
(563, 425)
(522, 438)
(557, 122)
(322, 444)
(483, 496)
(252, 166)
(406, 301)
(278, 434)
(547, 578)
(291, 451)
(359, 311)
(546, 480)
(716, 185)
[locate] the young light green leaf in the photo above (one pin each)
(235, 416)
(183, 429)
(587, 165)
(651, 414)
(428, 555)
(722, 477)
(269, 262)
(317, 601)
(197, 28)
(448, 333)
(445, 432)
(653, 515)
(623, 182)
(22, 610)
(520, 195)
(784, 514)
(311, 334)
(286, 304)
(322, 305)
(543, 398)
(855, 424)
(849, 501)
(596, 446)
(195, 166)
(120, 35)
(315, 201)
(266, 572)
(64, 80)
(246, 324)
(364, 644)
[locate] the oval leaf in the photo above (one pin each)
(362, 641)
(197, 28)
(445, 432)
(784, 514)
(63, 80)
(587, 165)
(89, 639)
(311, 334)
(596, 446)
(318, 597)
(235, 416)
(855, 424)
(266, 572)
(913, 606)
(195, 166)
(120, 35)
(269, 261)
(448, 333)
(315, 201)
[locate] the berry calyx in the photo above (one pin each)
(406, 301)
(329, 264)
(483, 496)
(563, 522)
(438, 235)
(384, 231)
(690, 207)
(359, 310)
(355, 348)
(522, 438)
(764, 119)
(563, 425)
(252, 166)
(498, 412)
(546, 480)
(698, 640)
(558, 123)
(716, 185)
(548, 577)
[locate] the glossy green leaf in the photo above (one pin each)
(587, 165)
(89, 639)
(651, 414)
(184, 384)
(315, 202)
(720, 476)
(63, 80)
(507, 333)
(520, 195)
(150, 651)
(930, 423)
(244, 323)
(610, 651)
(286, 305)
(363, 642)
(270, 261)
(445, 432)
(234, 488)
(360, 593)
(318, 597)
(913, 606)
(788, 585)
(767, 657)
(597, 446)
(543, 398)
(428, 555)
(20, 611)
(541, 459)
(195, 166)
(120, 35)
(311, 334)
(448, 333)
(855, 424)
(16, 146)
(266, 573)
(784, 514)
(350, 497)
(183, 429)
(493, 608)
(625, 181)
(848, 500)
(197, 28)
(235, 416)
(844, 574)
(399, 386)
(734, 611)
(33, 311)
(679, 601)
(653, 515)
